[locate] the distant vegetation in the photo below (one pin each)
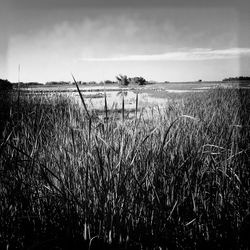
(57, 83)
(138, 80)
(5, 85)
(240, 78)
(109, 82)
(123, 80)
(26, 84)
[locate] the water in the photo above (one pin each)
(96, 100)
(148, 96)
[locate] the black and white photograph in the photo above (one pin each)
(124, 125)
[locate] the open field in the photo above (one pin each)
(177, 178)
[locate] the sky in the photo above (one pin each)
(160, 40)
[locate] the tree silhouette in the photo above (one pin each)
(122, 80)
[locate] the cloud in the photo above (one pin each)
(183, 55)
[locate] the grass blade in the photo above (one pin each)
(105, 106)
(83, 102)
(136, 106)
(123, 107)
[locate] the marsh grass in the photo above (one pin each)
(178, 179)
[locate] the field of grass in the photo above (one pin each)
(178, 179)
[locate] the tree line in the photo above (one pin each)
(240, 78)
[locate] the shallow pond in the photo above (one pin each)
(151, 95)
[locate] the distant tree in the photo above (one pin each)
(92, 83)
(199, 80)
(5, 85)
(32, 83)
(57, 83)
(141, 81)
(82, 83)
(122, 80)
(108, 82)
(138, 80)
(240, 78)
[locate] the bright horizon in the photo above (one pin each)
(164, 41)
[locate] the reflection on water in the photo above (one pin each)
(114, 100)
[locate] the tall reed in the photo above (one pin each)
(177, 180)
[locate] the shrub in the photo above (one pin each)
(5, 85)
(138, 80)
